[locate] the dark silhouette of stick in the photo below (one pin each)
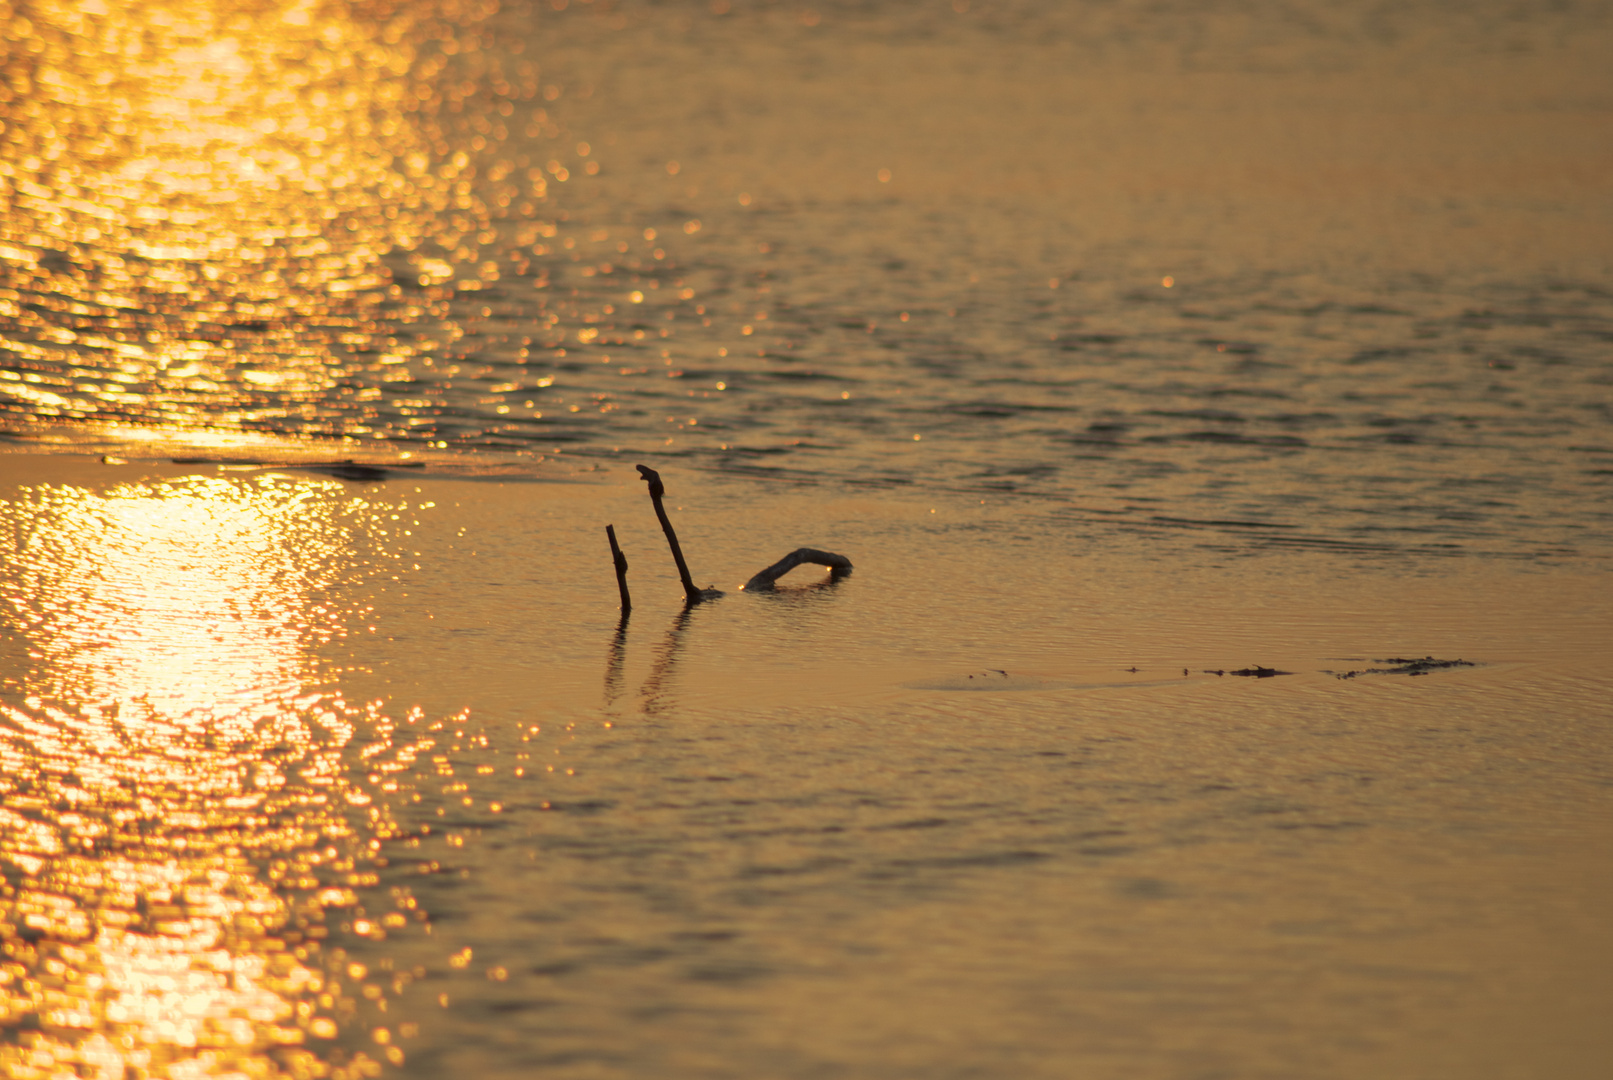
(839, 566)
(691, 594)
(621, 569)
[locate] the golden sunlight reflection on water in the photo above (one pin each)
(1136, 372)
(177, 809)
(195, 201)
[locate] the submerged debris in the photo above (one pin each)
(839, 566)
(1256, 672)
(1403, 666)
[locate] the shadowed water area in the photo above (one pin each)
(1216, 406)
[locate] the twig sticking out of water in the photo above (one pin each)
(839, 566)
(691, 595)
(621, 569)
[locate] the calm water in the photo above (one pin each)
(1117, 346)
(1344, 275)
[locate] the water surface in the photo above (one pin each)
(1120, 350)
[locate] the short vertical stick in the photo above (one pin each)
(621, 569)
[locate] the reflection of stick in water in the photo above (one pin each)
(616, 661)
(839, 566)
(666, 658)
(691, 595)
(621, 569)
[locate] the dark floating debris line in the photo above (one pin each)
(1256, 672)
(1403, 666)
(345, 469)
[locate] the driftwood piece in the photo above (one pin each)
(621, 569)
(839, 566)
(691, 595)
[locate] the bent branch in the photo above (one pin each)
(839, 566)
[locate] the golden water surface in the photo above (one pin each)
(1119, 349)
